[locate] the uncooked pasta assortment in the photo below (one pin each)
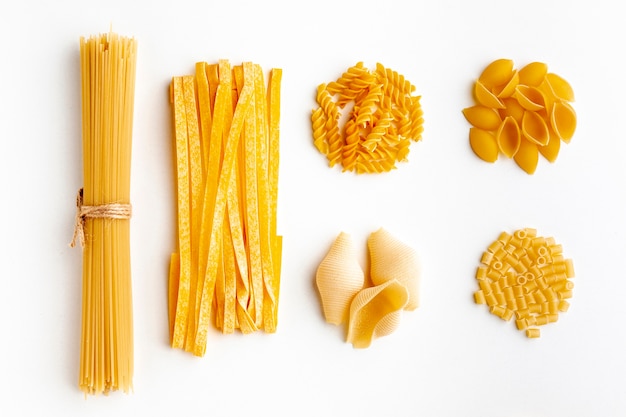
(226, 267)
(520, 113)
(384, 117)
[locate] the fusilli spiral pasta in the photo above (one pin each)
(384, 118)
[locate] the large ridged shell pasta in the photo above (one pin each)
(376, 312)
(392, 259)
(339, 277)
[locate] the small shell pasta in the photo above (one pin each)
(537, 101)
(482, 142)
(384, 118)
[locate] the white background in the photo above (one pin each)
(448, 358)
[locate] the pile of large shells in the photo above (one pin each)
(370, 311)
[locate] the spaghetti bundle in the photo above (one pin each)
(227, 267)
(107, 67)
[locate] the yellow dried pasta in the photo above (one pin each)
(107, 74)
(384, 118)
(527, 111)
(375, 312)
(370, 311)
(227, 268)
(525, 276)
(339, 278)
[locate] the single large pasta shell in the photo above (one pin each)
(483, 144)
(497, 73)
(508, 137)
(388, 324)
(527, 157)
(533, 74)
(563, 120)
(482, 117)
(392, 259)
(339, 278)
(375, 312)
(535, 128)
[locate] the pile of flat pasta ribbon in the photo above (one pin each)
(520, 114)
(525, 276)
(385, 117)
(371, 309)
(227, 267)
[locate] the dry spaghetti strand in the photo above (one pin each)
(107, 68)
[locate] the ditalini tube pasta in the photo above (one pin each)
(525, 276)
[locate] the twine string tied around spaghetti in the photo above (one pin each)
(115, 211)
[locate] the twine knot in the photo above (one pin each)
(104, 211)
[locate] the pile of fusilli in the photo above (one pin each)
(384, 118)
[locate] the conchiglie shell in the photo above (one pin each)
(483, 144)
(563, 120)
(551, 150)
(508, 89)
(530, 98)
(497, 73)
(527, 156)
(535, 128)
(512, 108)
(376, 312)
(392, 259)
(339, 278)
(508, 137)
(560, 87)
(533, 74)
(485, 97)
(482, 117)
(548, 94)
